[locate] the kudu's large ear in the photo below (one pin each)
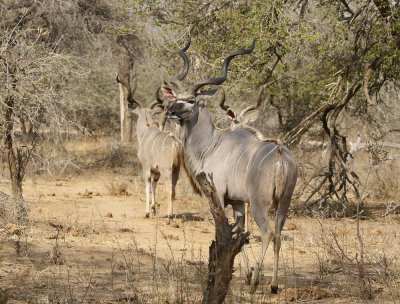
(231, 114)
(251, 113)
(167, 91)
(250, 116)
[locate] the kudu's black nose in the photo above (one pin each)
(171, 114)
(132, 105)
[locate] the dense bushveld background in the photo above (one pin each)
(71, 204)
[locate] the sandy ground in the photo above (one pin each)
(89, 242)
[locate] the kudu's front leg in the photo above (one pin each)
(148, 190)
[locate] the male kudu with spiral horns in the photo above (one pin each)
(244, 168)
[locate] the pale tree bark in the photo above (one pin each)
(125, 117)
(126, 79)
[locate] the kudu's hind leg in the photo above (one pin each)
(172, 193)
(280, 218)
(147, 180)
(238, 214)
(261, 217)
(154, 180)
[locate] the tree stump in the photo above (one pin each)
(223, 249)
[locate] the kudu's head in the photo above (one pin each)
(182, 101)
(159, 105)
(246, 116)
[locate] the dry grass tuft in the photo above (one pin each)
(290, 227)
(171, 237)
(118, 189)
(306, 294)
(86, 194)
(13, 229)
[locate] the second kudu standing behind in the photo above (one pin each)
(160, 153)
(244, 168)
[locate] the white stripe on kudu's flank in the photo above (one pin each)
(148, 141)
(239, 158)
(163, 143)
(154, 142)
(259, 165)
(251, 160)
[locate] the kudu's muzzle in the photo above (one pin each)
(178, 112)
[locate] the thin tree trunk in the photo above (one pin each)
(15, 160)
(126, 79)
(12, 158)
(126, 118)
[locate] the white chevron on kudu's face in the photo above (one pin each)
(244, 168)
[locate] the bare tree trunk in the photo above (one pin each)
(126, 117)
(126, 79)
(16, 161)
(12, 158)
(223, 250)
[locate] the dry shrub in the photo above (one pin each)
(82, 231)
(306, 294)
(116, 156)
(327, 209)
(118, 189)
(13, 229)
(386, 188)
(361, 268)
(12, 210)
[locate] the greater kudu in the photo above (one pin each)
(243, 119)
(160, 153)
(244, 168)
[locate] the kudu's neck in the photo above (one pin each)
(199, 134)
(142, 124)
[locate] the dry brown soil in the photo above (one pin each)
(89, 242)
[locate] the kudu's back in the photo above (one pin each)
(248, 169)
(159, 150)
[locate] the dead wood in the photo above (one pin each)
(223, 249)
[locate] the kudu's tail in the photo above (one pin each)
(281, 174)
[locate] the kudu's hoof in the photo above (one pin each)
(254, 281)
(153, 211)
(253, 286)
(274, 289)
(247, 279)
(147, 215)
